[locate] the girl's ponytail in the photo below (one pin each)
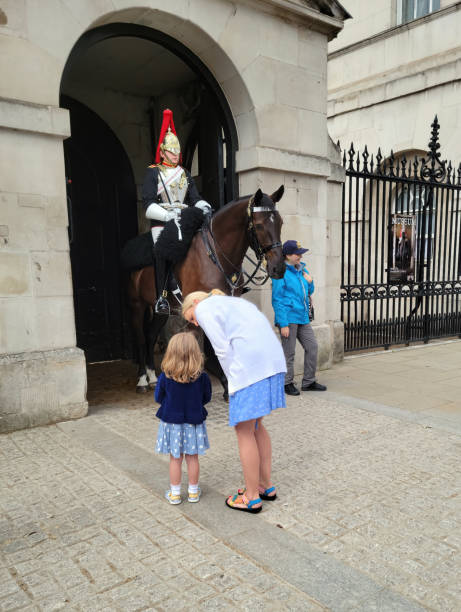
(198, 296)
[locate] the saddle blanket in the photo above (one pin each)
(140, 251)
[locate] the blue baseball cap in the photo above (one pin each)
(293, 247)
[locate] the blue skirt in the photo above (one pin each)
(257, 400)
(176, 440)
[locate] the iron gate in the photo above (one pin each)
(401, 256)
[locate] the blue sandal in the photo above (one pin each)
(265, 496)
(230, 501)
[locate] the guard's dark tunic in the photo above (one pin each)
(150, 189)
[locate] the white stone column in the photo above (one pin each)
(42, 373)
(311, 211)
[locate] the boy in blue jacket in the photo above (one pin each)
(290, 301)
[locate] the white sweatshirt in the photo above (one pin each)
(243, 339)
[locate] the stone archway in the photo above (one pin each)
(124, 75)
(205, 118)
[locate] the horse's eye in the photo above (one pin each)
(259, 226)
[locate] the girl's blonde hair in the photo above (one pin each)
(183, 360)
(199, 296)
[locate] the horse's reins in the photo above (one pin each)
(259, 250)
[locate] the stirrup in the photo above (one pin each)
(162, 306)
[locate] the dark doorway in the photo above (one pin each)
(150, 70)
(102, 217)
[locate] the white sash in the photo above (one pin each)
(174, 175)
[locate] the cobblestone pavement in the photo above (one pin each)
(77, 534)
(370, 492)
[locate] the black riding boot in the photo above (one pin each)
(161, 272)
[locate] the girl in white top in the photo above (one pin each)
(253, 361)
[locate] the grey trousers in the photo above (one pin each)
(305, 334)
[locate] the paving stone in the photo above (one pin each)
(166, 570)
(218, 603)
(179, 603)
(192, 559)
(201, 591)
(16, 600)
(223, 582)
(56, 602)
(101, 603)
(134, 601)
(206, 570)
(39, 585)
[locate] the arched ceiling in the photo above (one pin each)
(129, 64)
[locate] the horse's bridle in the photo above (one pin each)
(233, 280)
(259, 250)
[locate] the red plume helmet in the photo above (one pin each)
(166, 129)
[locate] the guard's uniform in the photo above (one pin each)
(167, 189)
(177, 184)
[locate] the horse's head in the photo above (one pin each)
(267, 224)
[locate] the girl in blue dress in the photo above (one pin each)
(252, 359)
(182, 391)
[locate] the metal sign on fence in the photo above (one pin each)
(401, 256)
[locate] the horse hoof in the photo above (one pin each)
(225, 396)
(142, 389)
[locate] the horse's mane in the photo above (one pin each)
(234, 203)
(229, 205)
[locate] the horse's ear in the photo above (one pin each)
(258, 197)
(277, 195)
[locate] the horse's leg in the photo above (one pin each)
(150, 344)
(155, 322)
(138, 309)
(155, 326)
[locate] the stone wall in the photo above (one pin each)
(40, 382)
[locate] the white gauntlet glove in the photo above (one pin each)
(170, 215)
(158, 213)
(203, 205)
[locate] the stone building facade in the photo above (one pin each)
(395, 66)
(82, 85)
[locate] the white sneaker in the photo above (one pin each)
(173, 499)
(194, 497)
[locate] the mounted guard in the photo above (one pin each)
(168, 189)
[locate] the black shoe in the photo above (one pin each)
(291, 389)
(162, 307)
(315, 386)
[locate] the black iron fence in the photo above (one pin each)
(401, 256)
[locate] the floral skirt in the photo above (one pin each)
(258, 399)
(176, 440)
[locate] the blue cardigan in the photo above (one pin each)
(290, 297)
(182, 402)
